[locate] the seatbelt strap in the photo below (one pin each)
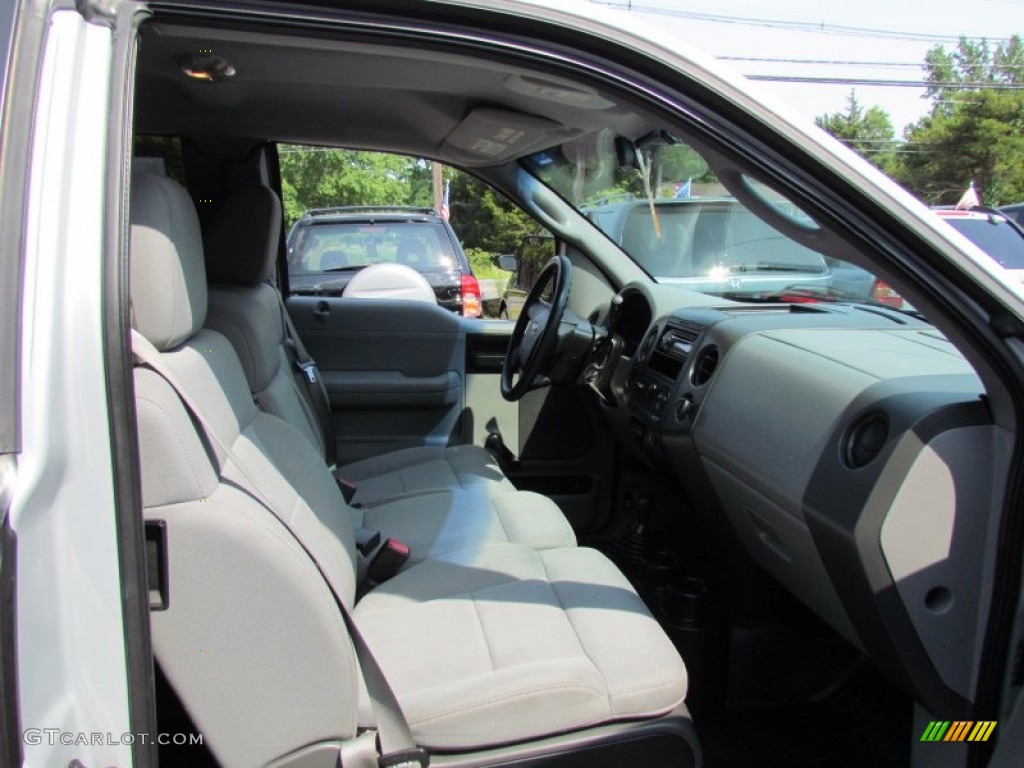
(313, 380)
(398, 748)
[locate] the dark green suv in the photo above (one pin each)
(327, 246)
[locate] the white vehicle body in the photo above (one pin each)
(70, 492)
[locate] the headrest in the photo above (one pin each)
(389, 281)
(242, 238)
(168, 281)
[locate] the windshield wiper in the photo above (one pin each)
(767, 268)
(350, 268)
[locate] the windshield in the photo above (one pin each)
(994, 235)
(660, 201)
(696, 238)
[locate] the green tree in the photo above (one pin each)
(982, 140)
(972, 66)
(318, 177)
(975, 129)
(483, 218)
(867, 131)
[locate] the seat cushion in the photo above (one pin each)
(433, 524)
(503, 644)
(423, 469)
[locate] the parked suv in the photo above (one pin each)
(327, 246)
(709, 244)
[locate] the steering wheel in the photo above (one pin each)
(535, 336)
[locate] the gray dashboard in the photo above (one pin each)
(850, 452)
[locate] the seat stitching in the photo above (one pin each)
(455, 472)
(483, 631)
(622, 691)
(579, 637)
(309, 565)
(507, 697)
(501, 522)
(177, 436)
(650, 687)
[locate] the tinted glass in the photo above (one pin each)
(351, 245)
(663, 203)
(695, 238)
(996, 237)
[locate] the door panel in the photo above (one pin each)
(394, 371)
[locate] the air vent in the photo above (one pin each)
(677, 340)
(705, 364)
(865, 439)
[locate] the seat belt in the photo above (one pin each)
(398, 748)
(313, 380)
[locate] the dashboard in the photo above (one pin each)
(849, 450)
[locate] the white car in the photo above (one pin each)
(642, 525)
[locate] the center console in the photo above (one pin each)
(658, 370)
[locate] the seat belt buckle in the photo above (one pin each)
(388, 561)
(308, 368)
(348, 488)
(405, 757)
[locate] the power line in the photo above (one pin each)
(964, 86)
(798, 26)
(884, 141)
(831, 62)
(775, 60)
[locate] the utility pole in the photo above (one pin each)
(437, 184)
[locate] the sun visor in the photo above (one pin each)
(489, 136)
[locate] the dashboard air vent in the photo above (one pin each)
(705, 364)
(864, 439)
(677, 339)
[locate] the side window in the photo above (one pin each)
(534, 253)
(347, 209)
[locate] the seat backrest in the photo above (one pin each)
(240, 246)
(251, 639)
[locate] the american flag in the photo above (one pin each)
(969, 199)
(445, 212)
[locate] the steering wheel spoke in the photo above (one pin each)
(535, 336)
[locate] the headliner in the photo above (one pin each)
(402, 96)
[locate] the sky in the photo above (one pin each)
(892, 35)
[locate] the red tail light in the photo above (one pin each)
(471, 304)
(883, 293)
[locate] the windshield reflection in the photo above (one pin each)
(660, 201)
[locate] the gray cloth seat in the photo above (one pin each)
(488, 644)
(429, 524)
(241, 247)
(520, 643)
